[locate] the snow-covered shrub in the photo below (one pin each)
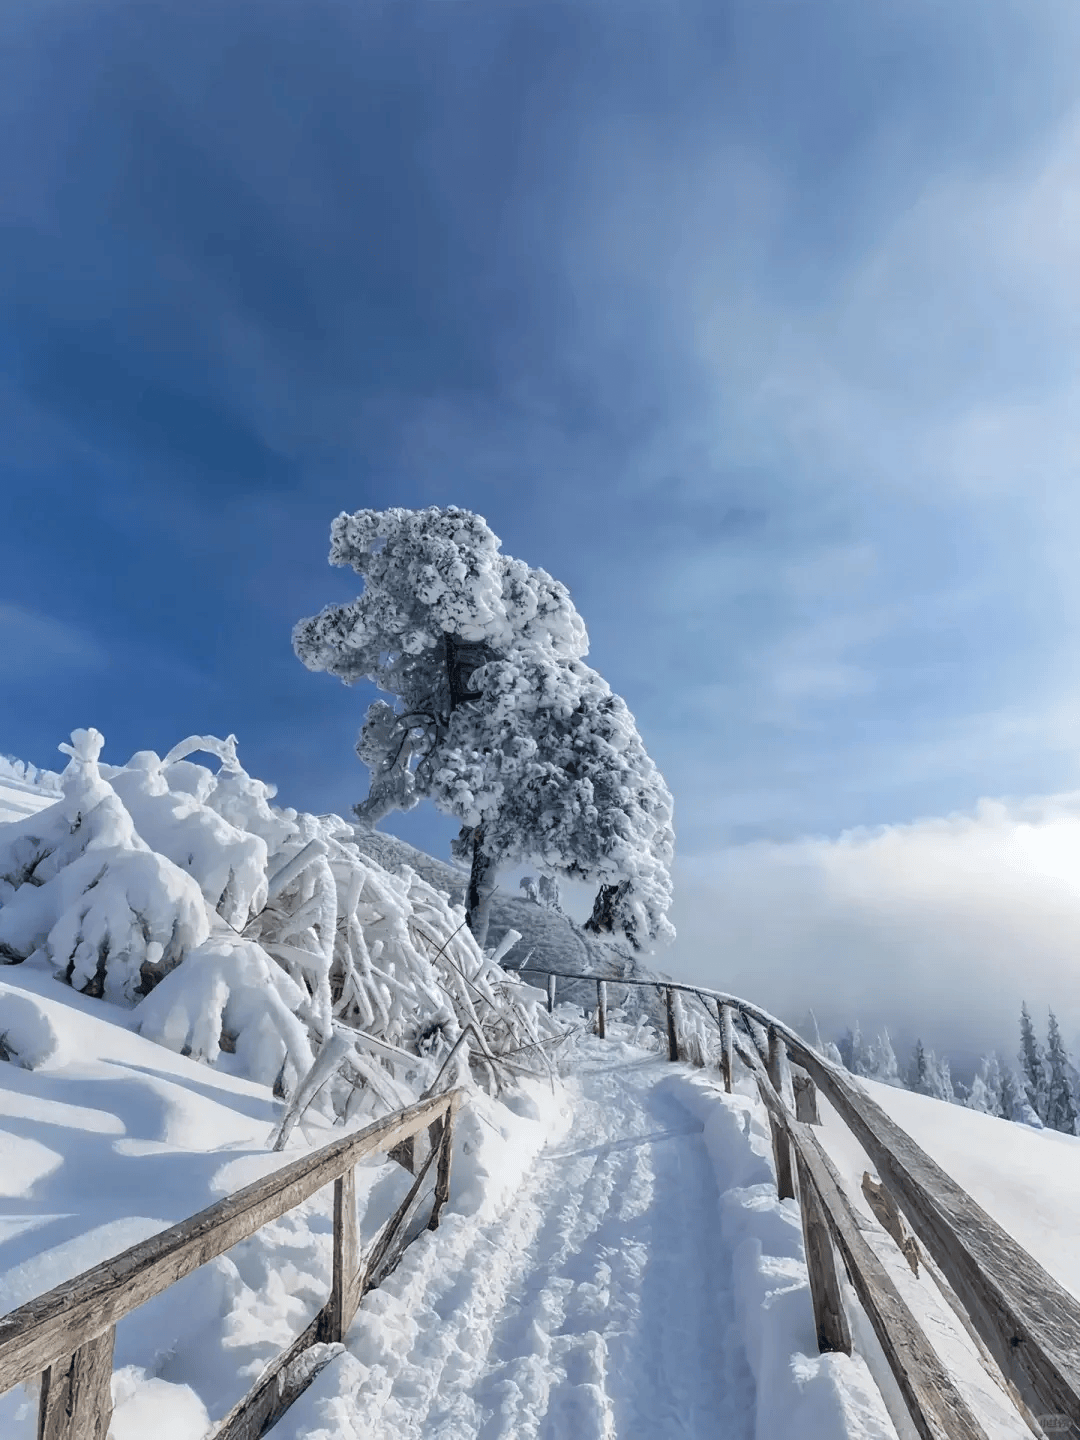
(79, 885)
(239, 928)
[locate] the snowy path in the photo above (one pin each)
(598, 1305)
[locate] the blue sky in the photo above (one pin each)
(757, 323)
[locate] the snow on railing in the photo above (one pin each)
(1023, 1322)
(66, 1336)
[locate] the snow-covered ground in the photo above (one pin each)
(614, 1261)
(1027, 1179)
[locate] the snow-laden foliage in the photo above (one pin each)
(237, 927)
(498, 720)
(27, 774)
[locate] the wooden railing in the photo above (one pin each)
(66, 1336)
(1024, 1324)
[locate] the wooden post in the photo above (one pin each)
(785, 1181)
(805, 1100)
(76, 1393)
(551, 993)
(442, 1178)
(601, 1009)
(343, 1291)
(726, 1043)
(830, 1319)
(672, 1033)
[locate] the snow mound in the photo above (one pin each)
(27, 1035)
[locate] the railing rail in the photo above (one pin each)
(66, 1335)
(1027, 1321)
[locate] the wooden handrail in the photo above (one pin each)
(936, 1407)
(66, 1335)
(1029, 1323)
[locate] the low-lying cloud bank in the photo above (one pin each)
(937, 928)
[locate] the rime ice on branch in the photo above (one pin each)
(497, 719)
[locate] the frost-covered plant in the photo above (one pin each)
(238, 927)
(79, 885)
(498, 721)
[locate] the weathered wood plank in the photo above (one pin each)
(390, 1242)
(785, 1179)
(344, 1294)
(938, 1410)
(65, 1318)
(806, 1108)
(283, 1381)
(672, 1031)
(1028, 1322)
(446, 1155)
(891, 1221)
(830, 1318)
(601, 1009)
(76, 1393)
(405, 1154)
(726, 1043)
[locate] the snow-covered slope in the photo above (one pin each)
(1027, 1179)
(613, 1261)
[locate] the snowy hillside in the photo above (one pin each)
(198, 987)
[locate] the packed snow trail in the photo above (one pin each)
(598, 1304)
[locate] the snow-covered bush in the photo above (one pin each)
(235, 927)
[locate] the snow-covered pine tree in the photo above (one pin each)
(497, 720)
(985, 1092)
(1014, 1102)
(928, 1075)
(1060, 1092)
(1032, 1066)
(941, 1079)
(918, 1070)
(883, 1066)
(854, 1051)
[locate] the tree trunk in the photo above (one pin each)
(462, 658)
(480, 890)
(602, 919)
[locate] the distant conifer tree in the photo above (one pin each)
(1060, 1094)
(1031, 1065)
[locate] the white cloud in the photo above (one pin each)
(936, 928)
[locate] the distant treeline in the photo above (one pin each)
(1041, 1089)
